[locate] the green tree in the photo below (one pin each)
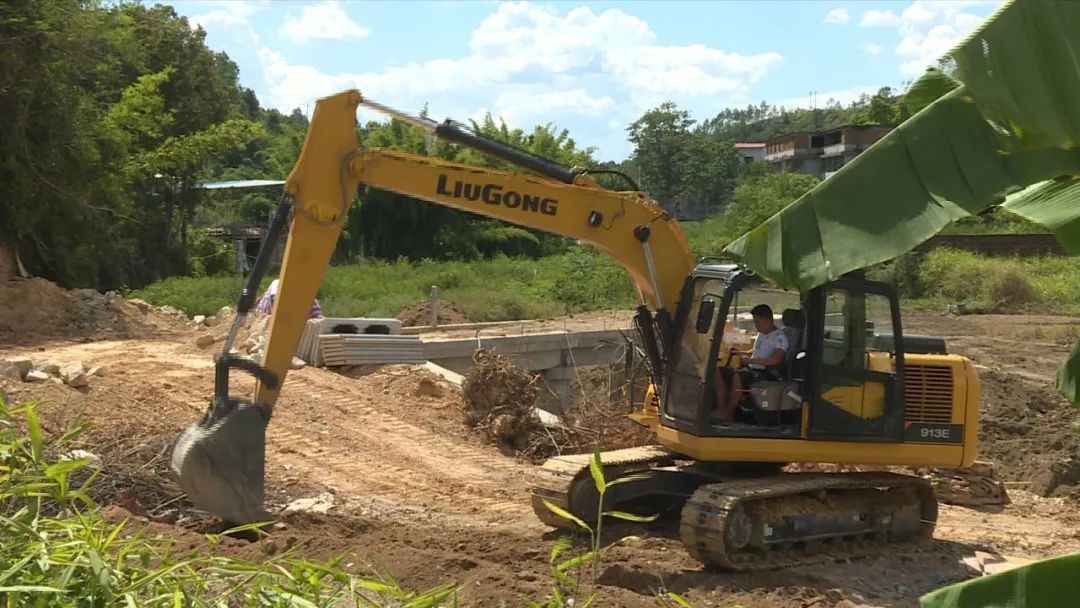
(663, 153)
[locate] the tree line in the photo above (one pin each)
(116, 113)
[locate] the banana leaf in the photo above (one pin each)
(998, 126)
(1049, 583)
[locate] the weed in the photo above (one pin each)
(58, 551)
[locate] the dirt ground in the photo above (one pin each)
(419, 494)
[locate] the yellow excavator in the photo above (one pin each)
(851, 390)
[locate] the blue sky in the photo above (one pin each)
(590, 67)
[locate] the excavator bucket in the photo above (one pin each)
(220, 462)
(220, 459)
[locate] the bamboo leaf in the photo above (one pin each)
(677, 599)
(65, 466)
(37, 441)
(631, 517)
(565, 514)
(597, 470)
(30, 589)
(561, 546)
(575, 561)
(629, 478)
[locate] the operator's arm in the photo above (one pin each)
(776, 358)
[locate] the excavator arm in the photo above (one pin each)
(628, 226)
(220, 459)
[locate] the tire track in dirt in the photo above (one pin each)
(367, 452)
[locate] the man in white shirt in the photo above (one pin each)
(770, 347)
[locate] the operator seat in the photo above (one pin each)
(794, 325)
(778, 401)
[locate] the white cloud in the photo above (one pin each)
(928, 29)
(296, 86)
(876, 18)
(524, 107)
(566, 58)
(228, 13)
(874, 49)
(824, 98)
(325, 20)
(838, 15)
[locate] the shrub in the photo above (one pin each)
(1010, 291)
(985, 283)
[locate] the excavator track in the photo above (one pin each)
(559, 479)
(802, 518)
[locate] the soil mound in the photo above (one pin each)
(419, 313)
(1027, 432)
(35, 309)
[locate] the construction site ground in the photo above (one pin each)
(417, 493)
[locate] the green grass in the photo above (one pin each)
(1038, 285)
(497, 289)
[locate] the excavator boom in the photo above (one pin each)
(220, 459)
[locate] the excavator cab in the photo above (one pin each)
(844, 371)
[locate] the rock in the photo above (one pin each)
(211, 321)
(74, 375)
(320, 504)
(36, 376)
(143, 306)
(223, 313)
(547, 418)
(94, 459)
(51, 368)
(298, 363)
(16, 368)
(169, 310)
(199, 319)
(988, 564)
(96, 371)
(526, 575)
(429, 388)
(972, 486)
(204, 341)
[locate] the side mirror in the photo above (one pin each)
(705, 316)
